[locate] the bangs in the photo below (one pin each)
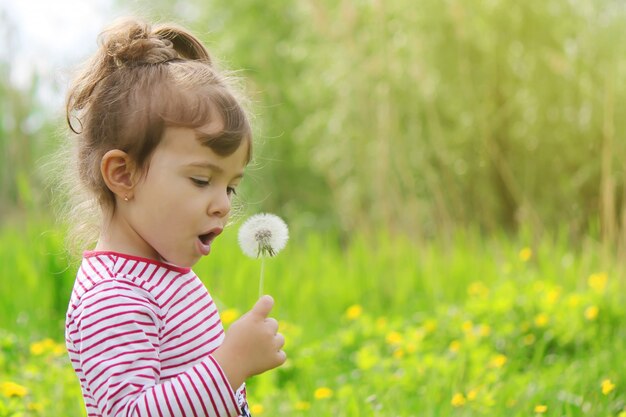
(199, 107)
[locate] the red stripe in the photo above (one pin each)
(221, 372)
(190, 331)
(193, 385)
(206, 387)
(192, 315)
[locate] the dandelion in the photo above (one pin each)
(553, 296)
(540, 408)
(467, 326)
(542, 320)
(525, 254)
(323, 393)
(597, 281)
(478, 289)
(458, 400)
(529, 339)
(455, 346)
(256, 409)
(430, 325)
(471, 395)
(11, 389)
(354, 312)
(302, 405)
(42, 347)
(498, 361)
(394, 338)
(37, 407)
(398, 354)
(607, 386)
(230, 315)
(591, 313)
(484, 330)
(263, 235)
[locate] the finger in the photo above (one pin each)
(272, 325)
(263, 306)
(281, 357)
(280, 341)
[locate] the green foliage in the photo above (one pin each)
(379, 326)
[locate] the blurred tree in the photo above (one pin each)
(24, 125)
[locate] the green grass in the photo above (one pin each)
(468, 327)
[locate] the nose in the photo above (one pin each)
(220, 204)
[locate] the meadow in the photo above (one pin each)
(453, 176)
(376, 326)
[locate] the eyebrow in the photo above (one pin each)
(212, 167)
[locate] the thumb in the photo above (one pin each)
(263, 306)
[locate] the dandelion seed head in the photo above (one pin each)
(263, 235)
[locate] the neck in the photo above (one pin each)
(117, 235)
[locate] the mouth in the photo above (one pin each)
(204, 240)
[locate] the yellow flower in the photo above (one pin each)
(42, 347)
(541, 320)
(477, 289)
(398, 354)
(498, 361)
(622, 414)
(354, 312)
(302, 405)
(553, 296)
(591, 313)
(574, 300)
(484, 330)
(529, 339)
(381, 323)
(11, 389)
(455, 346)
(540, 409)
(34, 407)
(256, 409)
(607, 386)
(471, 395)
(323, 393)
(597, 281)
(230, 315)
(394, 338)
(430, 325)
(467, 326)
(525, 254)
(59, 350)
(458, 400)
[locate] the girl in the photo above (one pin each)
(162, 143)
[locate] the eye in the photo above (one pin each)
(200, 182)
(231, 191)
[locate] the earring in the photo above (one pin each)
(125, 197)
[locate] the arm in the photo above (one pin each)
(115, 335)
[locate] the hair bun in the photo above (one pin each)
(131, 43)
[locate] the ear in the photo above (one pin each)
(118, 172)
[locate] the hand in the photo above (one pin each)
(252, 344)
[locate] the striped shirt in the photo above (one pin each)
(140, 334)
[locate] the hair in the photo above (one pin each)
(141, 80)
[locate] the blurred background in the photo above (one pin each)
(417, 118)
(488, 127)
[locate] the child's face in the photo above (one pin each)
(183, 201)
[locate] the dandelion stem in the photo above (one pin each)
(261, 280)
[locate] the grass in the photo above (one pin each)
(378, 326)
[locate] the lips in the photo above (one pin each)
(204, 240)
